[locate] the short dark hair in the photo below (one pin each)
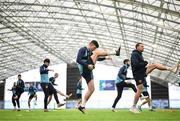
(95, 43)
(125, 60)
(19, 75)
(47, 60)
(138, 44)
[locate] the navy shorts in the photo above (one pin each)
(88, 76)
(140, 77)
(51, 88)
(85, 72)
(139, 81)
(32, 95)
(145, 93)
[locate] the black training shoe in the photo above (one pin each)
(60, 104)
(80, 108)
(118, 51)
(151, 110)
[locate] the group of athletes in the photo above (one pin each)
(49, 90)
(86, 60)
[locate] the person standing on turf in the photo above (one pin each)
(14, 95)
(32, 94)
(20, 89)
(45, 81)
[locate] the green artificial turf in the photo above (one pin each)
(91, 115)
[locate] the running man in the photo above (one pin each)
(121, 82)
(45, 81)
(20, 89)
(32, 94)
(141, 69)
(86, 60)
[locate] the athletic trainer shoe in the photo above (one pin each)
(18, 109)
(82, 109)
(139, 108)
(46, 110)
(133, 109)
(113, 110)
(118, 51)
(60, 104)
(151, 109)
(175, 68)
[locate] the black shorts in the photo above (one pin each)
(140, 77)
(50, 93)
(19, 91)
(88, 76)
(51, 88)
(85, 72)
(31, 96)
(139, 80)
(79, 96)
(145, 93)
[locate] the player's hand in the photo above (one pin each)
(51, 70)
(145, 62)
(90, 66)
(126, 82)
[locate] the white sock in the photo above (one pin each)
(112, 52)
